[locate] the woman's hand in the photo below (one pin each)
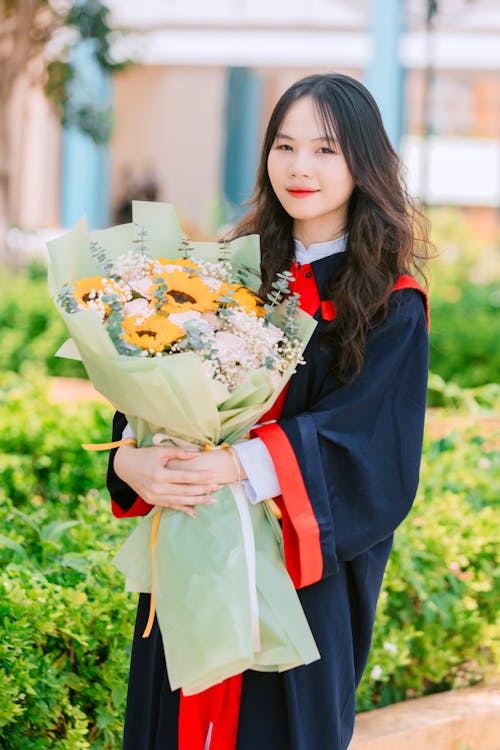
(222, 463)
(166, 476)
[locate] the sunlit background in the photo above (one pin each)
(190, 109)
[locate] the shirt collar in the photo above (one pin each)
(319, 250)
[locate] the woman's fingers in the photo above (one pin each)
(168, 501)
(174, 476)
(167, 485)
(188, 510)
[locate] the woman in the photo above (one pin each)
(342, 454)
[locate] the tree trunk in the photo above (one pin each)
(24, 29)
(4, 183)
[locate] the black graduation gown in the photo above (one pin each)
(358, 449)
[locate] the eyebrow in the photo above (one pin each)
(321, 138)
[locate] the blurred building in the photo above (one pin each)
(190, 115)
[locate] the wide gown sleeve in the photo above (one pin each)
(124, 500)
(349, 466)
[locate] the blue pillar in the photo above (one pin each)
(85, 181)
(241, 156)
(385, 75)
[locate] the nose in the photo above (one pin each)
(300, 165)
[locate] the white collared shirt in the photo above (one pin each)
(319, 250)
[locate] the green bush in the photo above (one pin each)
(465, 302)
(465, 334)
(67, 630)
(31, 328)
(437, 621)
(481, 399)
(67, 620)
(41, 458)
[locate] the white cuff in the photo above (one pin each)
(262, 480)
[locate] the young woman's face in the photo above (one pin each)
(309, 175)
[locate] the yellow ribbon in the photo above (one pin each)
(108, 446)
(152, 607)
(274, 508)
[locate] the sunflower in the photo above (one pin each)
(88, 292)
(155, 332)
(186, 293)
(244, 298)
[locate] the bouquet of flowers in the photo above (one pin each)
(174, 335)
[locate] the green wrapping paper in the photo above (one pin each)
(202, 594)
(224, 600)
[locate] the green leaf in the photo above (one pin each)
(8, 543)
(52, 532)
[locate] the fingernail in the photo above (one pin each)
(210, 501)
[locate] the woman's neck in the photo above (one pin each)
(309, 235)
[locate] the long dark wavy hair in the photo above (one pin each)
(388, 236)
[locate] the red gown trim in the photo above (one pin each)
(210, 719)
(408, 282)
(301, 539)
(139, 508)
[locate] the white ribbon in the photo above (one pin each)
(241, 501)
(249, 549)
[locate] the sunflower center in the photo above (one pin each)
(88, 297)
(181, 297)
(146, 333)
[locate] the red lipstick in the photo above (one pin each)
(300, 192)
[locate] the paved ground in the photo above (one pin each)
(73, 390)
(464, 719)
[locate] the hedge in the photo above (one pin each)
(437, 622)
(68, 622)
(30, 326)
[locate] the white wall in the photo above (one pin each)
(460, 171)
(35, 145)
